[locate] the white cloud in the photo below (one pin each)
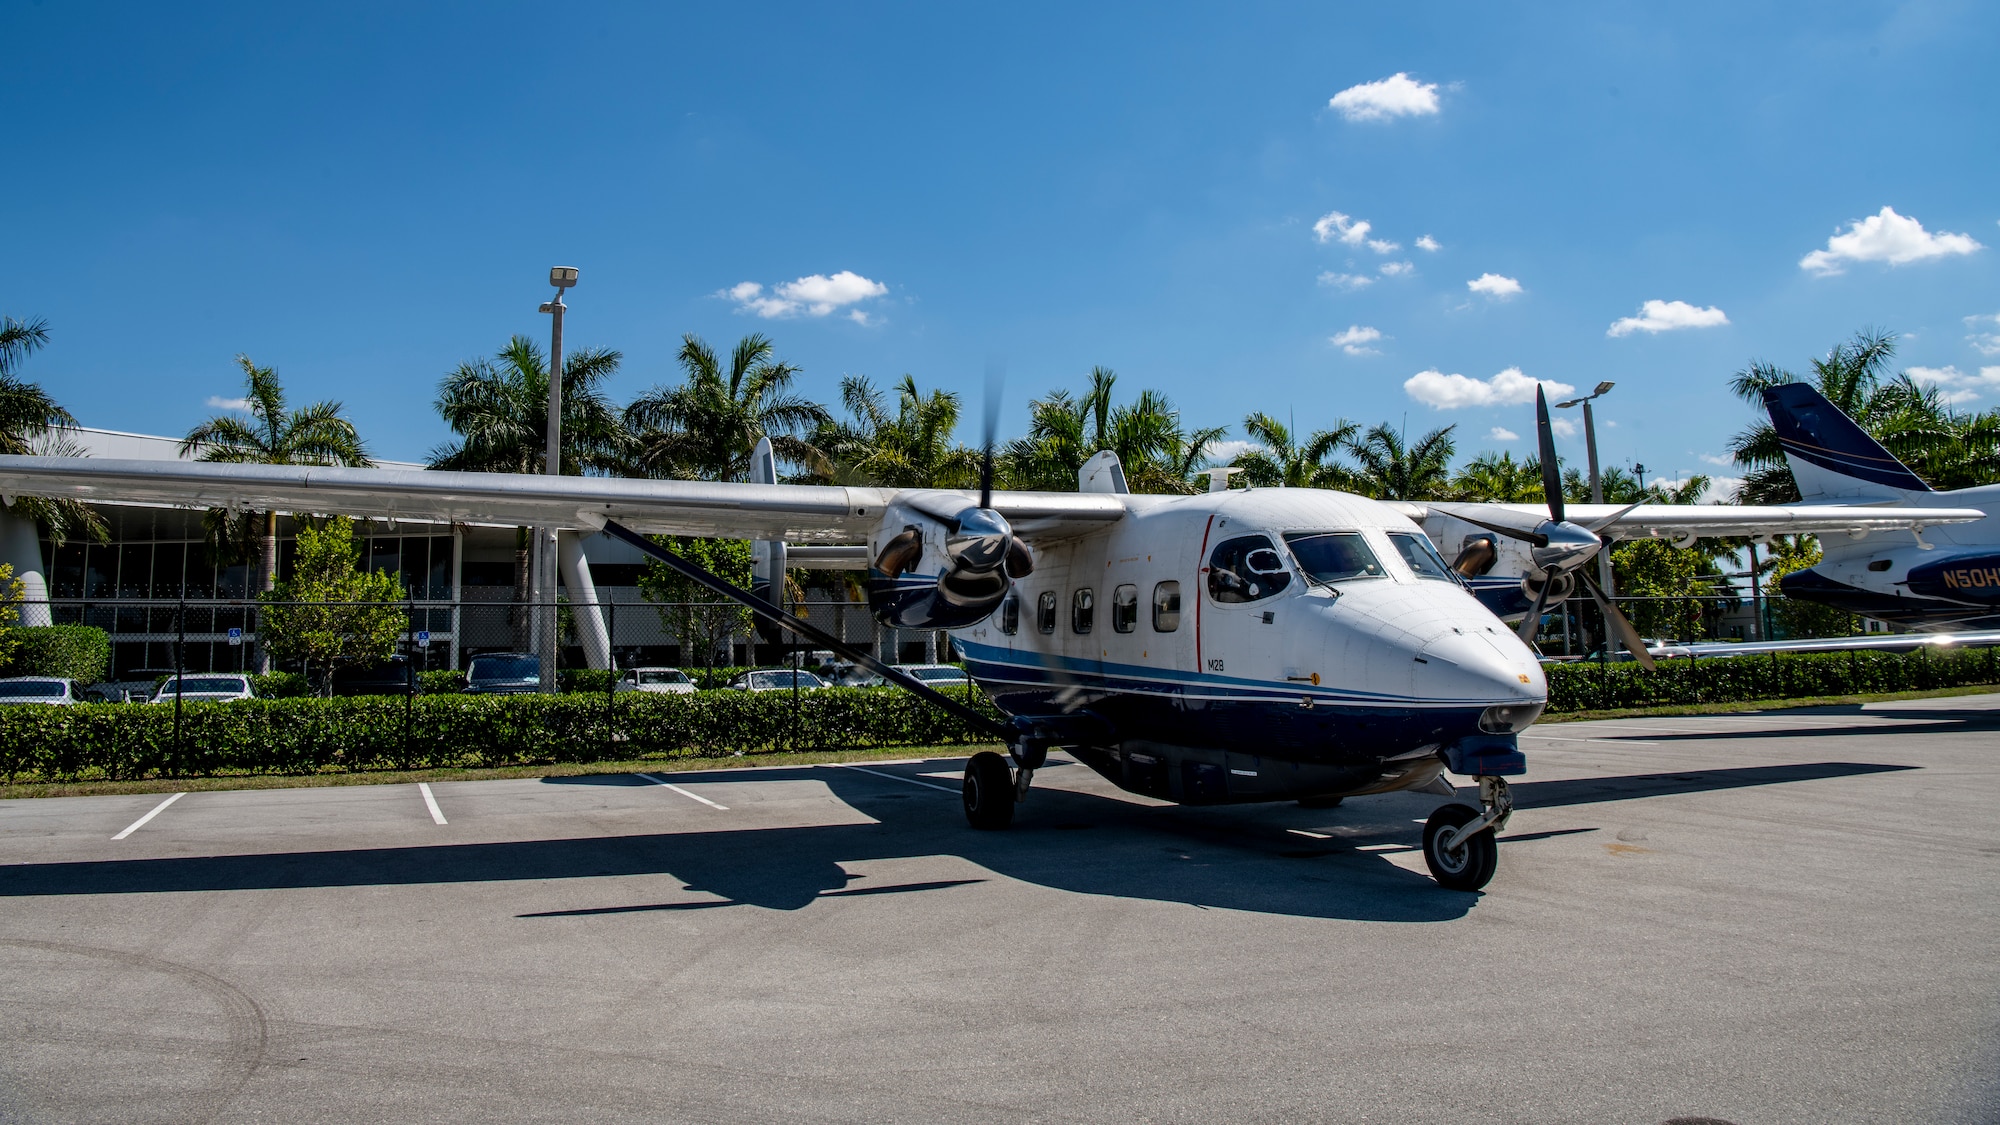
(217, 402)
(1885, 237)
(813, 295)
(1345, 282)
(1563, 427)
(1494, 286)
(1398, 95)
(1397, 269)
(1226, 451)
(1723, 490)
(1717, 459)
(1987, 343)
(1956, 386)
(1334, 225)
(1384, 246)
(1356, 339)
(1665, 316)
(1428, 244)
(1502, 433)
(1449, 392)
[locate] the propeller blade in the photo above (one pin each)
(1598, 525)
(1514, 525)
(994, 380)
(1545, 434)
(1627, 635)
(1532, 624)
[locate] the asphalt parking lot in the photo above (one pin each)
(1773, 917)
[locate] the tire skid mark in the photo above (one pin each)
(248, 1032)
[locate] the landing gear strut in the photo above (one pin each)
(1459, 844)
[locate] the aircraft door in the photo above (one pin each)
(1240, 582)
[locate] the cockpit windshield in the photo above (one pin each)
(1333, 556)
(1421, 556)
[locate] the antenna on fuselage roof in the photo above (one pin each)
(1218, 479)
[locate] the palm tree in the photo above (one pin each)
(1499, 479)
(1391, 470)
(1064, 431)
(499, 408)
(909, 448)
(1283, 462)
(31, 422)
(1946, 447)
(272, 435)
(705, 428)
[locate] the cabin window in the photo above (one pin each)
(1166, 607)
(1045, 612)
(1246, 569)
(1125, 608)
(1082, 610)
(1422, 558)
(1333, 556)
(1010, 614)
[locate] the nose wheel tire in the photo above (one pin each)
(989, 791)
(1471, 864)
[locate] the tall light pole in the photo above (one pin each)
(544, 593)
(1596, 491)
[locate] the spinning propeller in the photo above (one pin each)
(1558, 549)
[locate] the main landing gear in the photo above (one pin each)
(994, 785)
(1459, 844)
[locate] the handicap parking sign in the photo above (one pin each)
(236, 637)
(423, 638)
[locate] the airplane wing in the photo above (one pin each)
(800, 513)
(1693, 521)
(1891, 642)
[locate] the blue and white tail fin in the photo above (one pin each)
(1831, 457)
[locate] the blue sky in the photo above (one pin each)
(366, 197)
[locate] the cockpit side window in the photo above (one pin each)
(1422, 558)
(1247, 568)
(1333, 556)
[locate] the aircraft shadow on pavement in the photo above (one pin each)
(1229, 857)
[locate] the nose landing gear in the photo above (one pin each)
(1459, 844)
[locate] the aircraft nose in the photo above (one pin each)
(1480, 665)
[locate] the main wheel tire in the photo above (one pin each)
(1320, 802)
(989, 791)
(1467, 867)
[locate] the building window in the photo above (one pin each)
(1045, 612)
(1166, 607)
(1125, 608)
(1082, 610)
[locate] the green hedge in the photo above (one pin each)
(1587, 686)
(301, 736)
(80, 652)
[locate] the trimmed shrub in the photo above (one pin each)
(278, 685)
(444, 681)
(1587, 686)
(80, 652)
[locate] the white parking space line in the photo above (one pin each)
(894, 777)
(430, 802)
(141, 822)
(683, 792)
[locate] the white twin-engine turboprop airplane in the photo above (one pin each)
(1239, 645)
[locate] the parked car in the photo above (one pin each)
(775, 680)
(205, 688)
(56, 690)
(504, 673)
(659, 681)
(394, 676)
(135, 686)
(935, 675)
(851, 675)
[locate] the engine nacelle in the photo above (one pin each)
(937, 561)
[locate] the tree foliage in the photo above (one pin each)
(699, 617)
(705, 427)
(331, 614)
(1792, 619)
(909, 446)
(1280, 460)
(1389, 469)
(32, 422)
(499, 408)
(1158, 453)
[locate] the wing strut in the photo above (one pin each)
(866, 659)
